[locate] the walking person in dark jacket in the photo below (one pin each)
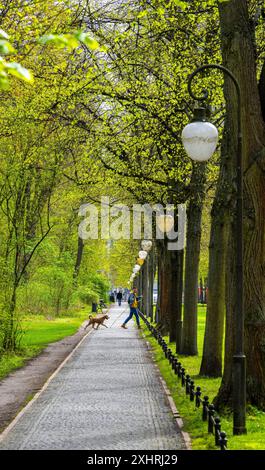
(119, 297)
(133, 302)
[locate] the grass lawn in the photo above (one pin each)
(193, 424)
(38, 332)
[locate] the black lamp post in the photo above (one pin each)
(200, 140)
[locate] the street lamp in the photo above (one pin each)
(200, 139)
(146, 245)
(142, 254)
(136, 268)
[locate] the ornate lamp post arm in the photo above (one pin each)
(239, 360)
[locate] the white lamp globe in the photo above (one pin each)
(199, 137)
(165, 222)
(136, 269)
(142, 254)
(146, 245)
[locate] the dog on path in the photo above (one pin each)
(99, 320)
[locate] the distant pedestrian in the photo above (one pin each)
(133, 302)
(119, 297)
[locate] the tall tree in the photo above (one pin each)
(239, 55)
(212, 358)
(194, 217)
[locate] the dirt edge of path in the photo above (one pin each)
(19, 387)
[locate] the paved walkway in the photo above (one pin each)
(107, 396)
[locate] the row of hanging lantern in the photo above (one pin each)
(146, 246)
(165, 223)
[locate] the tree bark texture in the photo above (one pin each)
(192, 259)
(238, 52)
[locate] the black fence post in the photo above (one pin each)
(223, 440)
(217, 430)
(205, 405)
(187, 384)
(210, 418)
(182, 376)
(169, 355)
(192, 386)
(179, 369)
(198, 397)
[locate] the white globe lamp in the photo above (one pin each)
(200, 137)
(142, 254)
(146, 245)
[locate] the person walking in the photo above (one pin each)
(119, 297)
(133, 302)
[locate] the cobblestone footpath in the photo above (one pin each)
(107, 396)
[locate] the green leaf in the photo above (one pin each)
(87, 40)
(142, 14)
(58, 40)
(4, 83)
(180, 3)
(18, 71)
(69, 40)
(160, 11)
(72, 41)
(6, 48)
(3, 34)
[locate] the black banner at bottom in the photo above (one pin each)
(120, 459)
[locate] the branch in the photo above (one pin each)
(32, 253)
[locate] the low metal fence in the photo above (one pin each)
(192, 392)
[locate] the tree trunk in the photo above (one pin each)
(145, 300)
(79, 254)
(239, 56)
(163, 286)
(175, 287)
(151, 283)
(179, 292)
(194, 216)
(211, 365)
(169, 302)
(158, 302)
(10, 330)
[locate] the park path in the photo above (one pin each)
(108, 395)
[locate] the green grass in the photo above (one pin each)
(193, 424)
(38, 332)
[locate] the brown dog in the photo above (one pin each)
(98, 320)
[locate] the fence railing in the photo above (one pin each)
(192, 392)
